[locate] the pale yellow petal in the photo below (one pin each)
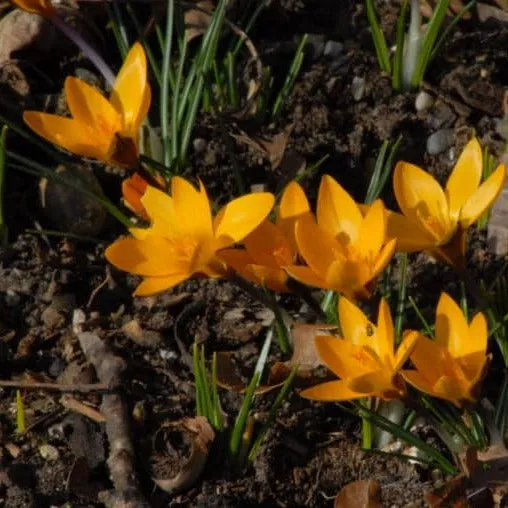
(337, 212)
(465, 177)
(483, 198)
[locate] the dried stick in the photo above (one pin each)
(56, 387)
(110, 368)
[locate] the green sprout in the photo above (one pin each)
(416, 49)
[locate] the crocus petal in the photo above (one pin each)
(384, 258)
(483, 198)
(128, 95)
(268, 246)
(453, 253)
(337, 212)
(293, 205)
(89, 107)
(422, 200)
(430, 359)
(133, 189)
(379, 382)
(67, 133)
(465, 178)
(273, 278)
(452, 330)
(478, 335)
(453, 389)
(317, 247)
(344, 358)
(405, 349)
(154, 285)
(473, 366)
(355, 326)
(372, 232)
(192, 208)
(411, 237)
(419, 381)
(332, 391)
(42, 7)
(160, 209)
(240, 217)
(384, 345)
(149, 257)
(306, 276)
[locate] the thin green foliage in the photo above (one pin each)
(400, 313)
(20, 414)
(489, 164)
(382, 51)
(382, 169)
(117, 25)
(33, 168)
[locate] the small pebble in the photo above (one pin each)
(234, 314)
(439, 141)
(199, 145)
(423, 101)
(333, 49)
(49, 453)
(12, 298)
(358, 88)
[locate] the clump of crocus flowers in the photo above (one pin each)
(342, 247)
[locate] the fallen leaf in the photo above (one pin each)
(452, 494)
(486, 12)
(359, 494)
(201, 436)
(197, 20)
(272, 148)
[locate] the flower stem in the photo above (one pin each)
(85, 48)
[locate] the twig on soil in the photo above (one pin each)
(110, 369)
(80, 388)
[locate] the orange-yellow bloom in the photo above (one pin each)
(183, 237)
(133, 189)
(102, 129)
(437, 219)
(42, 7)
(271, 247)
(345, 251)
(452, 366)
(364, 358)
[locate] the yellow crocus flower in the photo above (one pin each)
(183, 237)
(271, 247)
(452, 366)
(364, 359)
(42, 7)
(437, 219)
(102, 129)
(345, 251)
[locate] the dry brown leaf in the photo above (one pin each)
(487, 468)
(196, 20)
(427, 7)
(359, 494)
(452, 494)
(201, 436)
(486, 12)
(271, 148)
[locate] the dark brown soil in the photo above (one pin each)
(313, 449)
